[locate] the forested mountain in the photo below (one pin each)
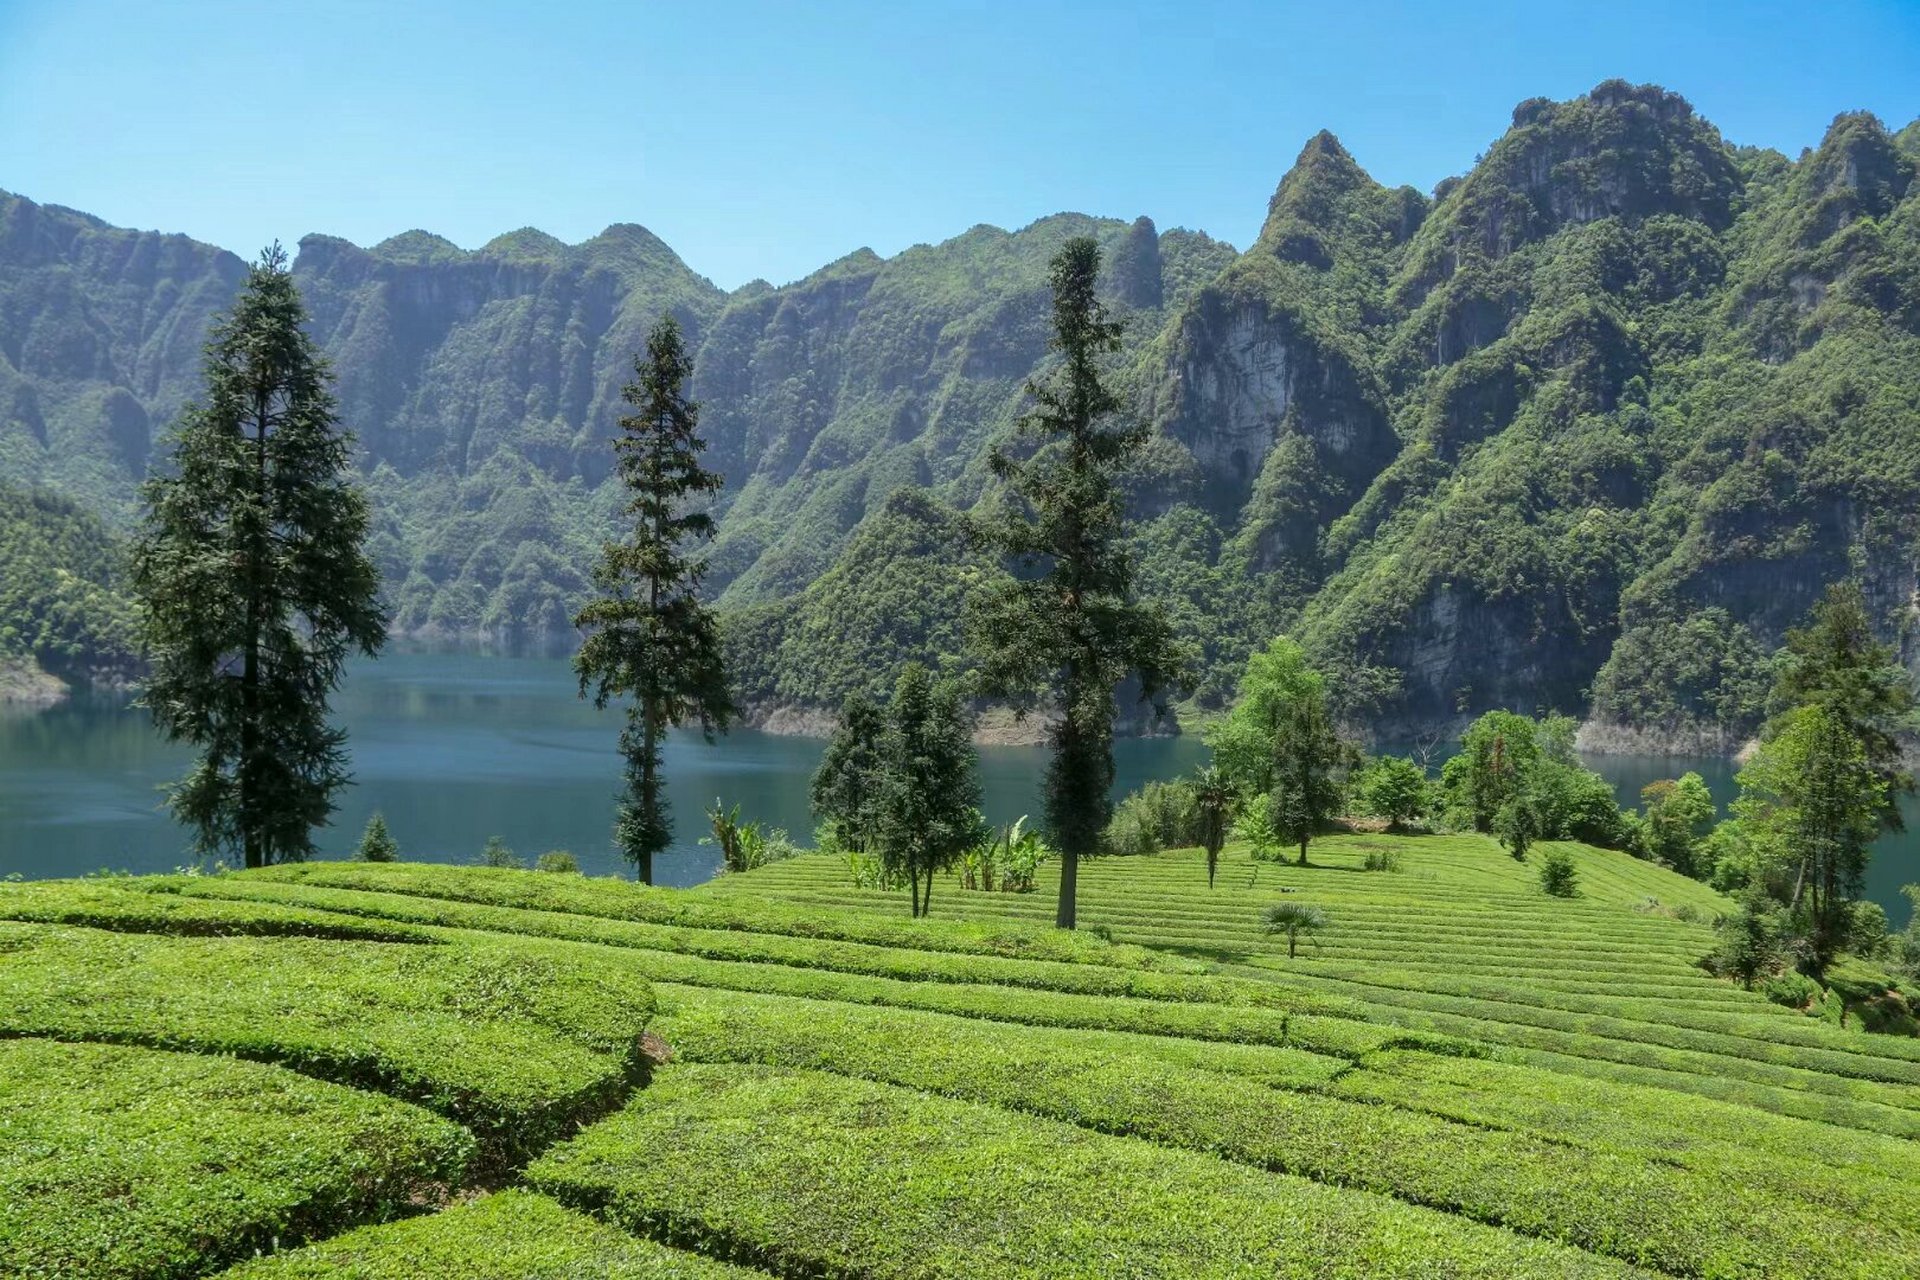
(1584, 429)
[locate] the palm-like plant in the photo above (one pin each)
(1213, 799)
(1296, 920)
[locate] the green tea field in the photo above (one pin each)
(386, 1071)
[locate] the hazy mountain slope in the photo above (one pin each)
(1586, 429)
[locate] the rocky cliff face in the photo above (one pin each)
(1584, 430)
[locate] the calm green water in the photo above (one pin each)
(454, 748)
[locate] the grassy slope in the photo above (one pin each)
(1463, 1072)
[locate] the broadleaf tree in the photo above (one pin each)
(1307, 759)
(253, 582)
(1066, 627)
(649, 638)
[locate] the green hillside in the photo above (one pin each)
(408, 1069)
(1583, 429)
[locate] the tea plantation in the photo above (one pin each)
(387, 1071)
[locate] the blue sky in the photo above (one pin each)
(767, 139)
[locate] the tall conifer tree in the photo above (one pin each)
(649, 636)
(1067, 625)
(254, 584)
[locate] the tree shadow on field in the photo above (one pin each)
(1218, 955)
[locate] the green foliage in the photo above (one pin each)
(254, 584)
(509, 1235)
(559, 861)
(1213, 802)
(744, 846)
(1160, 815)
(1293, 920)
(1679, 815)
(514, 1044)
(1093, 1205)
(1559, 878)
(1006, 861)
(1382, 860)
(496, 854)
(1391, 787)
(1067, 625)
(62, 599)
(928, 813)
(649, 636)
(377, 843)
(1243, 743)
(127, 1162)
(898, 784)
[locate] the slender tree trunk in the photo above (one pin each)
(1064, 916)
(1213, 864)
(250, 711)
(913, 891)
(649, 786)
(926, 896)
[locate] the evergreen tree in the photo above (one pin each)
(1307, 755)
(649, 636)
(1499, 759)
(1828, 816)
(253, 582)
(846, 788)
(928, 811)
(1837, 663)
(377, 843)
(1068, 623)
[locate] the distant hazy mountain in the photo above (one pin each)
(1586, 428)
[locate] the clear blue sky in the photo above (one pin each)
(768, 139)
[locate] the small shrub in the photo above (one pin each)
(745, 846)
(497, 854)
(1255, 826)
(377, 843)
(1558, 876)
(1006, 861)
(558, 860)
(1794, 990)
(1381, 860)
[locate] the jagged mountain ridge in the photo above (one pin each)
(1584, 429)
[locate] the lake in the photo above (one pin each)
(456, 747)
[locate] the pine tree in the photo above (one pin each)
(1837, 663)
(377, 843)
(928, 810)
(254, 584)
(649, 636)
(846, 787)
(1067, 624)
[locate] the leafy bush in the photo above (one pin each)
(1558, 876)
(558, 860)
(509, 1235)
(745, 846)
(376, 843)
(1008, 861)
(1160, 815)
(1393, 788)
(843, 1175)
(128, 1162)
(508, 1039)
(1162, 1090)
(1794, 990)
(497, 854)
(1381, 860)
